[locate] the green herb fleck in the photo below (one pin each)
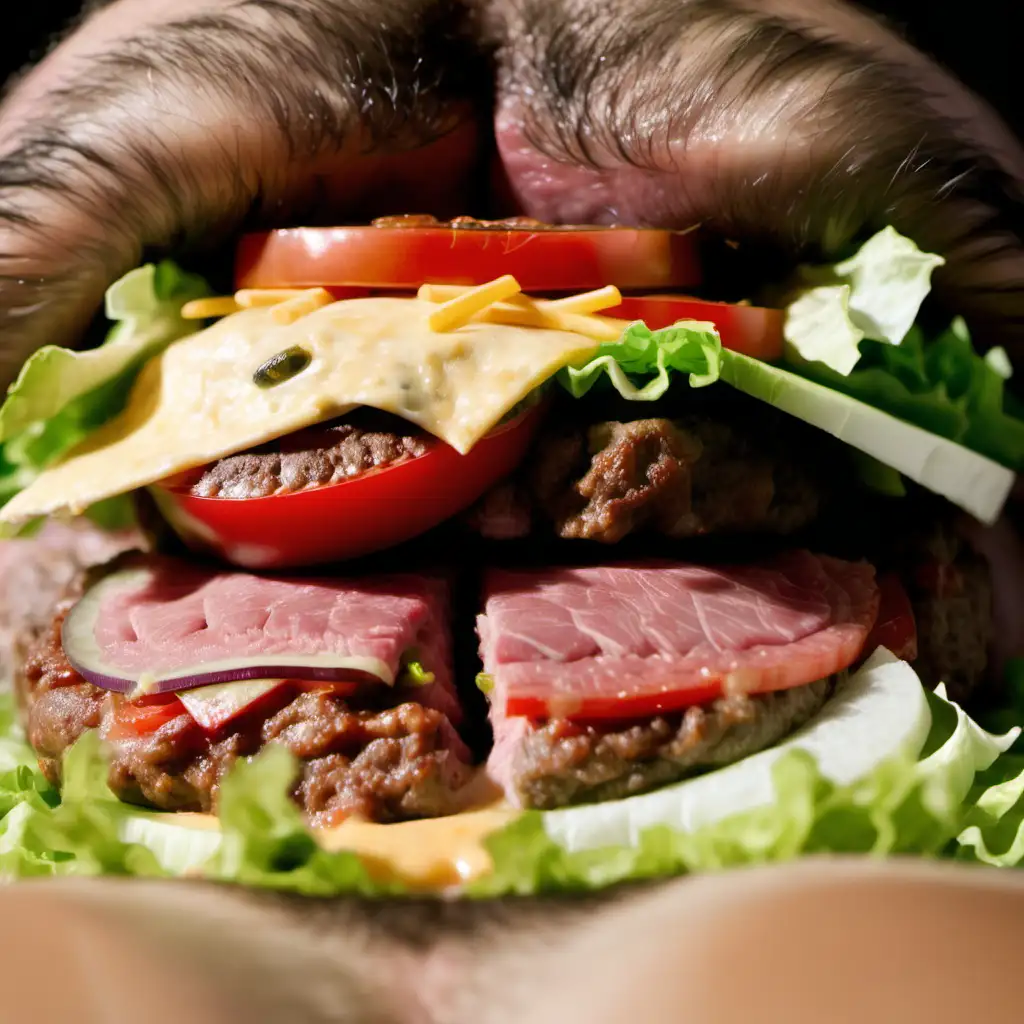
(484, 682)
(414, 674)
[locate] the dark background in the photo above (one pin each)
(974, 40)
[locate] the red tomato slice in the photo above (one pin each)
(370, 512)
(608, 712)
(144, 716)
(895, 628)
(542, 260)
(147, 714)
(216, 706)
(752, 330)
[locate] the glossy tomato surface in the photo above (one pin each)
(145, 715)
(542, 260)
(753, 330)
(611, 711)
(895, 628)
(371, 512)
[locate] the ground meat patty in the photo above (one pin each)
(955, 630)
(953, 609)
(561, 763)
(950, 590)
(383, 764)
(313, 458)
(677, 478)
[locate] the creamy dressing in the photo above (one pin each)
(429, 854)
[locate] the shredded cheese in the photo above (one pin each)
(291, 303)
(209, 309)
(572, 313)
(459, 311)
(586, 302)
(441, 292)
(301, 305)
(600, 328)
(249, 298)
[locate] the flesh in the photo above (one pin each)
(656, 634)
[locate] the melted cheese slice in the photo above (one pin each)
(196, 402)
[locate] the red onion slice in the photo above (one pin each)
(101, 644)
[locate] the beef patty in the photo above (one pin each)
(316, 457)
(678, 478)
(561, 763)
(950, 589)
(384, 763)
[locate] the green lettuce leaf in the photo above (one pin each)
(1010, 710)
(266, 843)
(851, 327)
(23, 792)
(74, 834)
(61, 396)
(938, 383)
(876, 294)
(638, 364)
(994, 828)
(968, 479)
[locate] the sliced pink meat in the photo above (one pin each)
(633, 640)
(182, 616)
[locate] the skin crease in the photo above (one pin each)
(152, 159)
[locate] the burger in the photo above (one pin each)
(486, 555)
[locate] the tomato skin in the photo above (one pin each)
(213, 720)
(143, 716)
(545, 260)
(370, 512)
(752, 330)
(608, 713)
(895, 627)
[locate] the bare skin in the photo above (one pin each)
(844, 941)
(795, 124)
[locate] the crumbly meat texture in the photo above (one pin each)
(677, 478)
(313, 458)
(950, 589)
(560, 763)
(382, 763)
(955, 629)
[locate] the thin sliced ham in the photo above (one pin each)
(634, 640)
(175, 617)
